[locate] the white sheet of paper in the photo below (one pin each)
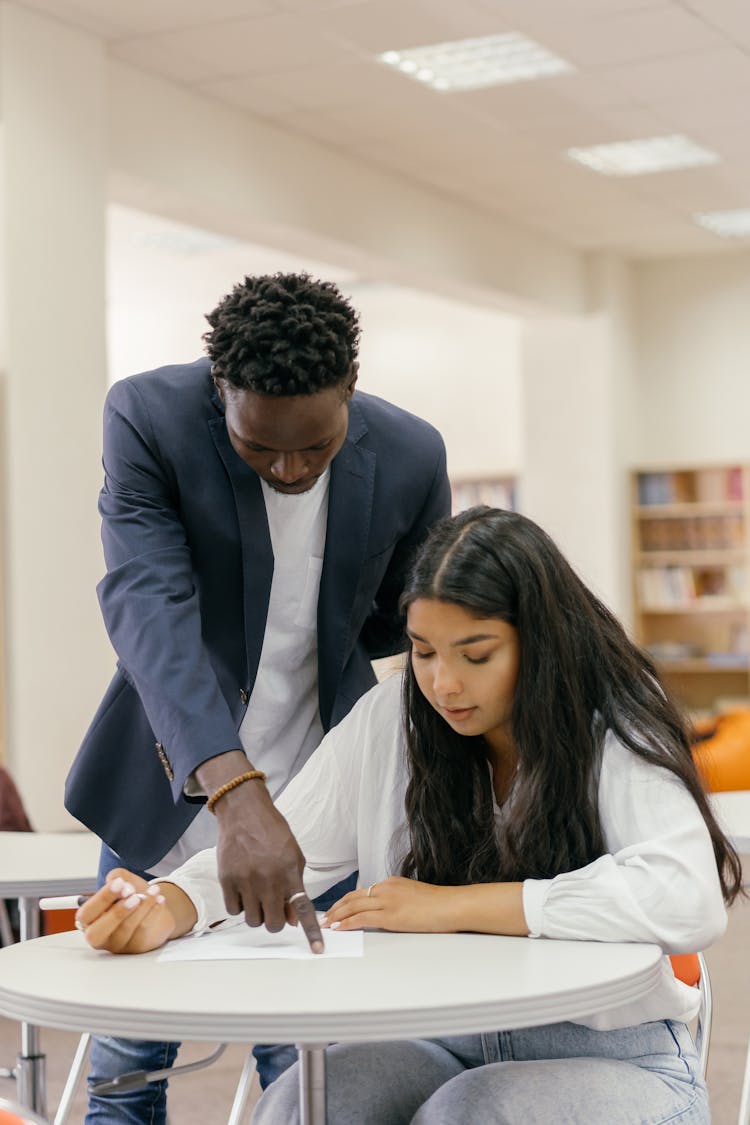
(244, 943)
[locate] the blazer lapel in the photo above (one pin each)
(350, 500)
(255, 543)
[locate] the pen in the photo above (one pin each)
(67, 902)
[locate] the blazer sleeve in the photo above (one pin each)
(383, 631)
(148, 596)
(343, 807)
(320, 804)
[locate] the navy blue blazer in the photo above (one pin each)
(185, 596)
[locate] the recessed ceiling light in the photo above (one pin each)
(470, 64)
(729, 224)
(637, 158)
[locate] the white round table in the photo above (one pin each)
(33, 865)
(732, 811)
(405, 986)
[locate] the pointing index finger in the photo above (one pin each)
(308, 920)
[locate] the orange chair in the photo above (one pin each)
(691, 968)
(722, 751)
(57, 922)
(11, 1113)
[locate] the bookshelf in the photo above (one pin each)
(497, 492)
(691, 578)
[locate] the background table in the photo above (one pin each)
(406, 986)
(733, 813)
(36, 864)
(33, 865)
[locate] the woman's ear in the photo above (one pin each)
(219, 384)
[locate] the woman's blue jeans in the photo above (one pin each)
(561, 1073)
(110, 1057)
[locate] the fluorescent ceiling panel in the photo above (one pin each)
(638, 158)
(729, 224)
(471, 64)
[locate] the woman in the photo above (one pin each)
(536, 779)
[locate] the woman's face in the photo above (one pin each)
(466, 667)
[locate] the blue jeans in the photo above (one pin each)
(110, 1057)
(563, 1073)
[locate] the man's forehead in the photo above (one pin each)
(285, 422)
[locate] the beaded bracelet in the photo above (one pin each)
(251, 775)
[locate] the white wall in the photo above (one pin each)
(570, 469)
(693, 359)
(164, 276)
(455, 364)
(52, 382)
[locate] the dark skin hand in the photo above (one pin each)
(260, 862)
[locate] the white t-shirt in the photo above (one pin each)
(282, 726)
(657, 883)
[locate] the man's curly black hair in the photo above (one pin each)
(283, 334)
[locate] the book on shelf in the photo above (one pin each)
(735, 488)
(728, 659)
(654, 488)
(709, 485)
(692, 533)
(674, 651)
(661, 587)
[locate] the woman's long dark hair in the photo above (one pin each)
(579, 676)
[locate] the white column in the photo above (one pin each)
(56, 659)
(579, 422)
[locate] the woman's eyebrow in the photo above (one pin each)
(464, 640)
(474, 638)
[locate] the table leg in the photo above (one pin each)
(28, 918)
(30, 1065)
(312, 1084)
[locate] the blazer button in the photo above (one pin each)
(244, 697)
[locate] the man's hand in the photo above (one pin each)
(260, 862)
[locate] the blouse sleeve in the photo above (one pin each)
(658, 881)
(321, 805)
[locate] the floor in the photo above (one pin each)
(205, 1097)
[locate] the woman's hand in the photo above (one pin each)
(404, 905)
(407, 906)
(129, 915)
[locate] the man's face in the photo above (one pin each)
(289, 440)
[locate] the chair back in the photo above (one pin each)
(691, 968)
(744, 1116)
(722, 751)
(11, 1113)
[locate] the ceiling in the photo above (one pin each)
(642, 68)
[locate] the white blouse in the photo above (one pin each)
(657, 883)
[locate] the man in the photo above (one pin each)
(258, 518)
